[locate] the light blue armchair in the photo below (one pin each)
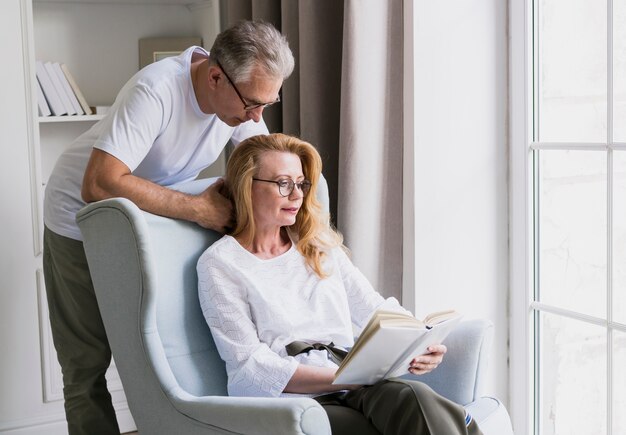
(143, 268)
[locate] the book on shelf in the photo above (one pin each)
(60, 90)
(54, 100)
(77, 92)
(42, 104)
(58, 86)
(389, 342)
(67, 88)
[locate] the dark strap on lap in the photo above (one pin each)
(334, 353)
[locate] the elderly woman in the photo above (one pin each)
(282, 276)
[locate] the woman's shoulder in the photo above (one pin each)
(340, 259)
(339, 253)
(224, 250)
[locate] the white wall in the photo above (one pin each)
(460, 166)
(99, 42)
(19, 356)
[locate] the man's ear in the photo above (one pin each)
(215, 75)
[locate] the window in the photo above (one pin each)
(569, 325)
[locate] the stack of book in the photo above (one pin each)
(57, 91)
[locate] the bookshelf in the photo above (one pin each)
(75, 118)
(98, 41)
(72, 32)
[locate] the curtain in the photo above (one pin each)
(369, 210)
(345, 97)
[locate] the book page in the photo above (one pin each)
(440, 316)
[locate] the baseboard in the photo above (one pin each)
(125, 421)
(35, 427)
(55, 424)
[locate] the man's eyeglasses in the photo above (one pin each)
(286, 186)
(246, 105)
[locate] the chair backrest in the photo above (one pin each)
(144, 271)
(184, 334)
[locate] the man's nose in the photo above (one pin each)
(255, 114)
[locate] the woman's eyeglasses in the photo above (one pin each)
(286, 186)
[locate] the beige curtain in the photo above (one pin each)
(345, 97)
(369, 209)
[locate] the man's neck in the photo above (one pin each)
(199, 72)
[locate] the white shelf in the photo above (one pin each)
(72, 118)
(127, 2)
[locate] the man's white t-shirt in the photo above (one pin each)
(155, 127)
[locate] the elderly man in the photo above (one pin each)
(170, 121)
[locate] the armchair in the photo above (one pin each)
(143, 269)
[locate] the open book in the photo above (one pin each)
(389, 342)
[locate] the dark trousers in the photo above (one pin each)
(79, 337)
(399, 408)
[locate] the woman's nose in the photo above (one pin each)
(296, 193)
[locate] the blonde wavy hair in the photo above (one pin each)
(312, 231)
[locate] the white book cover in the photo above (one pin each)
(54, 78)
(377, 357)
(67, 88)
(51, 94)
(388, 351)
(42, 104)
(76, 89)
(435, 335)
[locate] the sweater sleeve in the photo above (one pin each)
(253, 368)
(363, 300)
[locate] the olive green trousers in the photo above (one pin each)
(399, 407)
(79, 337)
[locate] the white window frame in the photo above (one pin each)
(408, 159)
(521, 352)
(523, 385)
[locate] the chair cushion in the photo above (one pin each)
(491, 415)
(184, 334)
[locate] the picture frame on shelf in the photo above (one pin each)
(155, 49)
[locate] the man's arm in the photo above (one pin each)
(107, 177)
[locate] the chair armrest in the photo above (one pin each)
(459, 376)
(255, 415)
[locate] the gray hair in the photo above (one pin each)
(247, 44)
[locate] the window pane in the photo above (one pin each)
(573, 377)
(572, 71)
(572, 230)
(619, 237)
(619, 384)
(619, 70)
